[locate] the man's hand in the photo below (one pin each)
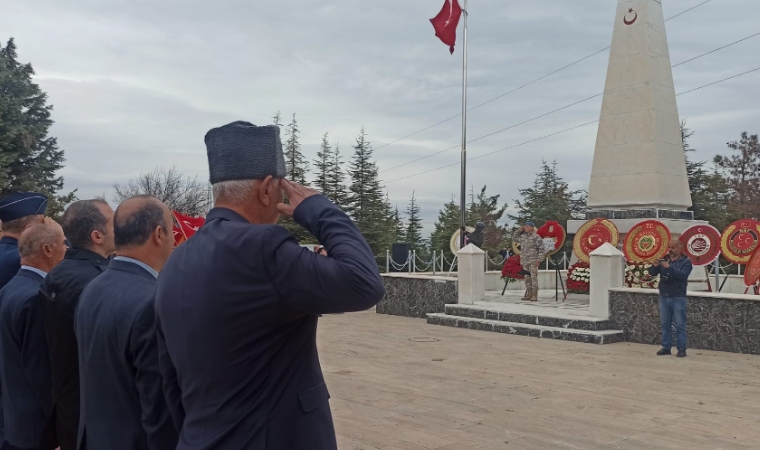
(296, 194)
(655, 263)
(537, 263)
(665, 264)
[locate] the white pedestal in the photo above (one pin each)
(471, 274)
(607, 265)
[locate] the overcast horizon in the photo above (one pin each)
(137, 84)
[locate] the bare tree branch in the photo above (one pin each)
(186, 195)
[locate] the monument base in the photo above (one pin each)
(625, 219)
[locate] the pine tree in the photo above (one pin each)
(399, 231)
(322, 168)
(413, 233)
(366, 204)
(295, 162)
(277, 119)
(485, 208)
(446, 225)
(550, 198)
(709, 190)
(742, 172)
(336, 179)
(28, 156)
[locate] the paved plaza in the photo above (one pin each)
(401, 384)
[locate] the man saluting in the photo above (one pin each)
(238, 304)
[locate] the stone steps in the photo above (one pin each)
(548, 319)
(569, 328)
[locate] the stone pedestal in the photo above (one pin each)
(471, 274)
(607, 265)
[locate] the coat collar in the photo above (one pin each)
(126, 266)
(225, 214)
(30, 274)
(85, 255)
(9, 240)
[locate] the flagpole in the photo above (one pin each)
(463, 192)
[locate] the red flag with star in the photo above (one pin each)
(187, 226)
(445, 23)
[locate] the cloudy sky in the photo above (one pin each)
(136, 84)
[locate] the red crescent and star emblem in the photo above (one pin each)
(635, 16)
(592, 235)
(740, 240)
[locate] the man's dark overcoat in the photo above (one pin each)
(24, 361)
(122, 402)
(60, 295)
(237, 309)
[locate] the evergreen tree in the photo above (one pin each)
(322, 166)
(742, 173)
(295, 162)
(446, 225)
(366, 204)
(399, 231)
(486, 209)
(28, 156)
(413, 233)
(709, 190)
(550, 198)
(277, 119)
(336, 178)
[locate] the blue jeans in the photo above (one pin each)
(673, 309)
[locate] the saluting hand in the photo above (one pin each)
(296, 194)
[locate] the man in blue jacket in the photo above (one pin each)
(25, 368)
(122, 406)
(674, 273)
(238, 304)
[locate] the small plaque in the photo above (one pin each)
(739, 240)
(701, 244)
(591, 235)
(647, 241)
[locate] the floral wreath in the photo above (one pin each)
(579, 277)
(512, 270)
(552, 229)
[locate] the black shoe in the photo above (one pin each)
(664, 351)
(681, 353)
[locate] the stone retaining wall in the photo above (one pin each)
(722, 322)
(416, 296)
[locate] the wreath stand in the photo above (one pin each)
(558, 282)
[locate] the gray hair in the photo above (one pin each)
(233, 191)
(35, 237)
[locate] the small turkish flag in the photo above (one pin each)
(187, 226)
(178, 236)
(445, 23)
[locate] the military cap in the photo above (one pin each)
(243, 151)
(22, 204)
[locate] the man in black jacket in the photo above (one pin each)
(88, 225)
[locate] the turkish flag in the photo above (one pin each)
(178, 236)
(445, 23)
(187, 226)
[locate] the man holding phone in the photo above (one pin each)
(674, 272)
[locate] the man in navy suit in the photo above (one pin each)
(88, 224)
(238, 304)
(121, 401)
(18, 212)
(25, 368)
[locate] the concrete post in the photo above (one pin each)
(607, 265)
(471, 274)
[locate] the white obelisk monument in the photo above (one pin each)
(639, 169)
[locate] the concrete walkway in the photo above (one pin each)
(400, 384)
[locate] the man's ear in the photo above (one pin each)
(47, 249)
(156, 236)
(266, 189)
(97, 237)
